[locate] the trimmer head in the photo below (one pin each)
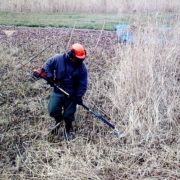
(117, 132)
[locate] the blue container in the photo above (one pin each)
(124, 36)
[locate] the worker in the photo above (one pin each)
(69, 72)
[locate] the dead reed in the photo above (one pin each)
(92, 6)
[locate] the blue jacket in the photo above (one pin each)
(73, 79)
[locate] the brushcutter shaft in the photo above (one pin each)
(85, 107)
(116, 131)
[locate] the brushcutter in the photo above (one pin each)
(39, 73)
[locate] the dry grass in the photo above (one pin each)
(92, 6)
(134, 87)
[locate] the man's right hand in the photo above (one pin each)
(50, 81)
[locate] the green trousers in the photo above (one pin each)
(61, 107)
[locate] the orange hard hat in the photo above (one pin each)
(78, 50)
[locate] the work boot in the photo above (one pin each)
(67, 129)
(55, 128)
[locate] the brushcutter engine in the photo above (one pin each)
(38, 73)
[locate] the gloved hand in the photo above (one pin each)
(50, 81)
(79, 100)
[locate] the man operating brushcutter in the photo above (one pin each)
(70, 73)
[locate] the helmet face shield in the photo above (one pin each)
(80, 59)
(76, 60)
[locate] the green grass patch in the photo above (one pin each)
(79, 20)
(89, 21)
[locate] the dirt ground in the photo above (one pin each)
(68, 36)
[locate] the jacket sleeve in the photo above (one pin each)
(49, 66)
(82, 82)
